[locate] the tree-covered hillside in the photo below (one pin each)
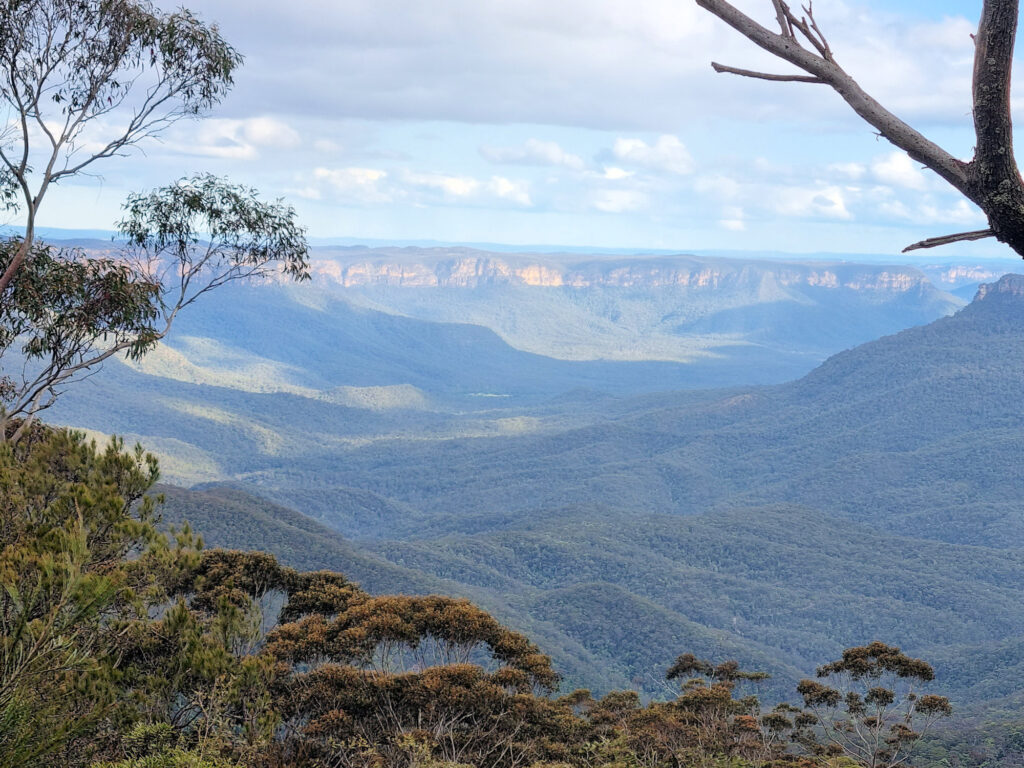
(127, 646)
(876, 497)
(918, 428)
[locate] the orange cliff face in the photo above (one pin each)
(472, 271)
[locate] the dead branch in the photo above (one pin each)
(806, 30)
(888, 125)
(991, 179)
(933, 242)
(826, 50)
(720, 68)
(780, 14)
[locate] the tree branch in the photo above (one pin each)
(933, 242)
(722, 68)
(826, 51)
(994, 181)
(888, 125)
(781, 15)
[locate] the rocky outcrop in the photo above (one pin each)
(1006, 286)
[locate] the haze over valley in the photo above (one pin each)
(444, 342)
(717, 450)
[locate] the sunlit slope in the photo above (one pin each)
(256, 378)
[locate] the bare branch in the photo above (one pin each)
(888, 125)
(805, 30)
(933, 242)
(992, 179)
(781, 15)
(826, 50)
(722, 68)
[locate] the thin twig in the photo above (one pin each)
(780, 14)
(933, 242)
(809, 10)
(720, 68)
(806, 31)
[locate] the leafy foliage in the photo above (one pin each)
(124, 647)
(70, 516)
(65, 310)
(875, 715)
(69, 65)
(205, 226)
(69, 312)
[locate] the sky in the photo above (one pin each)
(588, 123)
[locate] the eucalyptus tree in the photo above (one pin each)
(68, 312)
(871, 707)
(68, 65)
(83, 81)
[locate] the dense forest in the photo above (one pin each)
(874, 498)
(127, 642)
(127, 646)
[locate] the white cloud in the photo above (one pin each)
(732, 219)
(506, 189)
(962, 212)
(809, 202)
(374, 185)
(918, 69)
(465, 189)
(364, 185)
(613, 173)
(954, 214)
(534, 152)
(238, 139)
(852, 171)
(615, 64)
(619, 200)
(666, 155)
(899, 170)
(896, 209)
(307, 192)
(718, 186)
(449, 186)
(411, 87)
(267, 132)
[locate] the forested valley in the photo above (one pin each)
(153, 625)
(433, 504)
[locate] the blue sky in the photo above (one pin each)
(577, 122)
